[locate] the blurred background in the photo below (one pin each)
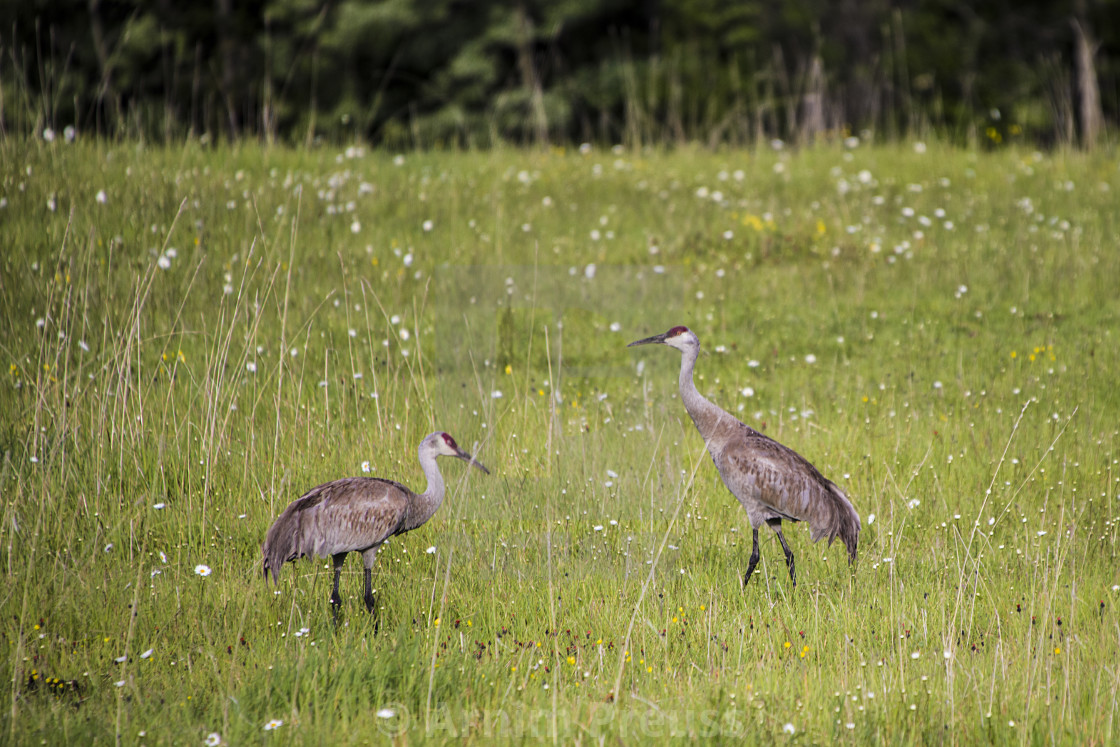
(449, 73)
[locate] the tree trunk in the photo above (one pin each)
(228, 59)
(529, 77)
(1088, 91)
(104, 89)
(902, 72)
(812, 102)
(787, 130)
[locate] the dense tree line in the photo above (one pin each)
(429, 73)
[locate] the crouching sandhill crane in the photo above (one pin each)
(357, 514)
(772, 481)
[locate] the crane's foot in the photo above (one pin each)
(371, 604)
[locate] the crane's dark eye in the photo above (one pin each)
(677, 331)
(447, 439)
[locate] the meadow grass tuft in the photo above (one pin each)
(195, 336)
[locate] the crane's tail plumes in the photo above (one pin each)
(838, 519)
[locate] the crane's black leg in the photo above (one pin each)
(369, 557)
(754, 557)
(370, 603)
(336, 600)
(776, 525)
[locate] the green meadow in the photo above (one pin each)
(193, 336)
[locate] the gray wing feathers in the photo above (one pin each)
(785, 485)
(836, 518)
(348, 515)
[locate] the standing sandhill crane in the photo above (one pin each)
(772, 481)
(357, 514)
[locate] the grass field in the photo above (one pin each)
(195, 336)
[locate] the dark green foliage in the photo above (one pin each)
(451, 73)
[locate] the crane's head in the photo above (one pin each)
(444, 445)
(681, 338)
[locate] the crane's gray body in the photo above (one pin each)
(354, 514)
(772, 481)
(357, 514)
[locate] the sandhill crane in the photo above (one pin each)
(772, 481)
(357, 514)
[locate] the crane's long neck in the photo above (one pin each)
(704, 414)
(425, 504)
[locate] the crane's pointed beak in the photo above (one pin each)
(648, 340)
(471, 460)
